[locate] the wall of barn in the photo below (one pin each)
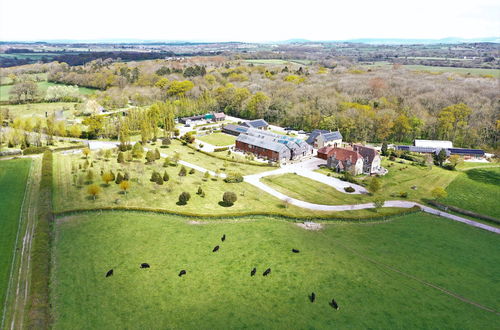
(258, 151)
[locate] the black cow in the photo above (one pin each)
(109, 273)
(144, 265)
(223, 237)
(254, 270)
(267, 272)
(183, 272)
(334, 304)
(295, 251)
(312, 297)
(215, 249)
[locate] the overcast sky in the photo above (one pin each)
(257, 20)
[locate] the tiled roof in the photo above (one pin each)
(345, 154)
(366, 152)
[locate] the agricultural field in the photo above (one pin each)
(70, 195)
(13, 176)
(39, 109)
(441, 69)
(218, 139)
(279, 62)
(477, 190)
(378, 283)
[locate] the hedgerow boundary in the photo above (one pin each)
(39, 315)
(238, 215)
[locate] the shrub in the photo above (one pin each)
(182, 171)
(439, 192)
(121, 157)
(349, 189)
(137, 150)
(234, 177)
(184, 198)
(229, 198)
(156, 177)
(374, 185)
(119, 178)
(93, 190)
(191, 171)
(200, 191)
(221, 149)
(125, 185)
(150, 157)
(165, 176)
(403, 194)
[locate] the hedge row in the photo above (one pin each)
(35, 150)
(229, 159)
(240, 214)
(462, 211)
(39, 308)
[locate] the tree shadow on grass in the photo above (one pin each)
(224, 204)
(488, 176)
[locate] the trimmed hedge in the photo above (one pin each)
(221, 149)
(232, 215)
(34, 150)
(230, 159)
(462, 211)
(39, 316)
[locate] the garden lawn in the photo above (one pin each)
(146, 194)
(218, 139)
(348, 262)
(42, 87)
(13, 176)
(400, 179)
(477, 190)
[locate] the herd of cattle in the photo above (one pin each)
(312, 297)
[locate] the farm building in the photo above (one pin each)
(321, 138)
(371, 158)
(325, 152)
(218, 116)
(464, 152)
(263, 144)
(346, 160)
(433, 144)
(257, 123)
(234, 129)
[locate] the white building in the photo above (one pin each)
(433, 144)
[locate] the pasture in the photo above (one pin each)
(13, 176)
(477, 190)
(441, 69)
(218, 139)
(39, 109)
(42, 87)
(375, 272)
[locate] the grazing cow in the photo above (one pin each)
(295, 251)
(267, 272)
(312, 297)
(223, 237)
(215, 249)
(334, 304)
(183, 272)
(109, 273)
(254, 270)
(144, 265)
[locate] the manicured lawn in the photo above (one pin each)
(348, 262)
(477, 190)
(13, 176)
(146, 194)
(400, 179)
(218, 139)
(39, 109)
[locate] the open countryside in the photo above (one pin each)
(178, 174)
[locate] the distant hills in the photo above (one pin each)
(373, 41)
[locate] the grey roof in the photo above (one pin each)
(328, 136)
(296, 145)
(236, 128)
(256, 123)
(456, 151)
(263, 142)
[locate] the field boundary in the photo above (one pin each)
(412, 210)
(16, 242)
(447, 207)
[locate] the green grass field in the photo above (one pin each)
(279, 62)
(477, 190)
(218, 139)
(13, 176)
(42, 87)
(364, 267)
(441, 69)
(39, 109)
